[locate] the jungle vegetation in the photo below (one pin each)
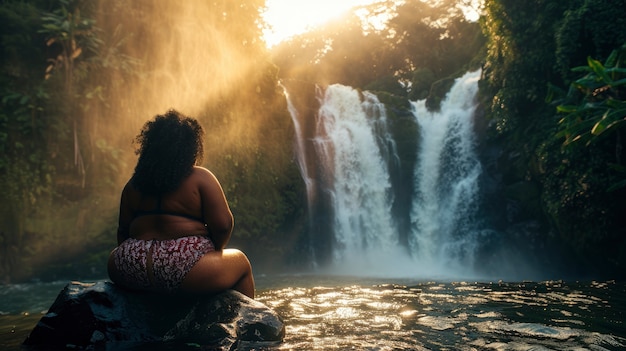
(80, 77)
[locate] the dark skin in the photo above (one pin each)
(200, 195)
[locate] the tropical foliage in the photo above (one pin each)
(600, 111)
(532, 48)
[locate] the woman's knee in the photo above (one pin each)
(239, 257)
(218, 271)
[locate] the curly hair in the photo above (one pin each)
(169, 147)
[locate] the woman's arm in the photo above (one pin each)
(125, 216)
(215, 209)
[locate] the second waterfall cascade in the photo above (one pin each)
(349, 157)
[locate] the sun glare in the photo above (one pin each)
(292, 17)
(287, 18)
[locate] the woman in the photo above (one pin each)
(174, 220)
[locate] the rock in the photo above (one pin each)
(87, 316)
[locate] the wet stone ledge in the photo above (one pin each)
(96, 316)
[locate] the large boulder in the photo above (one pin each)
(87, 316)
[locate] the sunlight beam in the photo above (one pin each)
(287, 18)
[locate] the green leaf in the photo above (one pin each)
(617, 186)
(566, 108)
(613, 59)
(581, 69)
(50, 28)
(618, 82)
(10, 97)
(616, 124)
(615, 70)
(599, 70)
(601, 125)
(616, 104)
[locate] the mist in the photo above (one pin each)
(181, 56)
(115, 65)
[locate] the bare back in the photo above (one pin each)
(199, 200)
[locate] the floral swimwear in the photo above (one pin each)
(159, 265)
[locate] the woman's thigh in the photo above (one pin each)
(217, 271)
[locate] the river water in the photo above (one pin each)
(357, 313)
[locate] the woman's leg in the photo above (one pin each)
(221, 270)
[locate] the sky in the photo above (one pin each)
(292, 17)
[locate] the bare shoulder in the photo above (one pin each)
(202, 172)
(128, 189)
(204, 176)
(208, 184)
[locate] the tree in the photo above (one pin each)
(25, 171)
(68, 29)
(351, 51)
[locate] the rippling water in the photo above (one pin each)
(342, 313)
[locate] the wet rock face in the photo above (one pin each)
(90, 315)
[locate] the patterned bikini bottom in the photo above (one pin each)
(159, 265)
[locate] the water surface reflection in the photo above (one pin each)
(451, 316)
(355, 313)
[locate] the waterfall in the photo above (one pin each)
(353, 147)
(446, 177)
(346, 160)
(300, 150)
